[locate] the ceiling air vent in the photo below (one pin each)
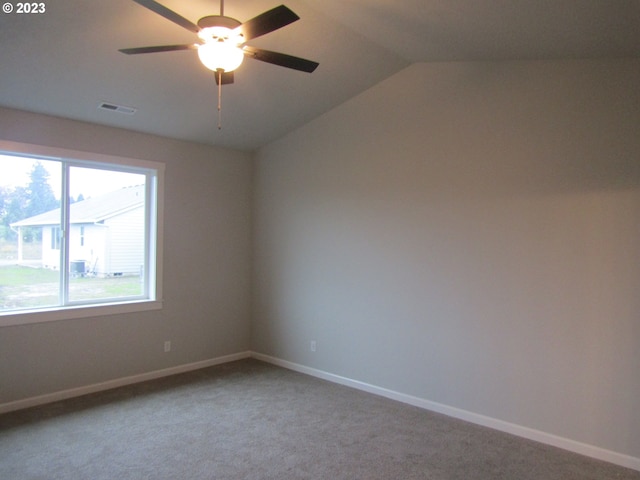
(112, 107)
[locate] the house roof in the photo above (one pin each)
(91, 210)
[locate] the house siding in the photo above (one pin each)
(126, 243)
(92, 250)
(50, 256)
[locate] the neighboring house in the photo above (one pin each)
(106, 238)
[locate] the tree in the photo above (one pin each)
(4, 199)
(41, 197)
(14, 202)
(5, 195)
(19, 203)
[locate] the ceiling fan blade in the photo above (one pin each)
(267, 22)
(280, 59)
(227, 78)
(159, 48)
(168, 14)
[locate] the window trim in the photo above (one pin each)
(28, 316)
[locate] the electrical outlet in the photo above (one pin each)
(313, 345)
(167, 346)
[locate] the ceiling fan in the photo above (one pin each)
(222, 46)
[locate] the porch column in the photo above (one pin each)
(20, 244)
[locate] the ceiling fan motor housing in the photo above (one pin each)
(218, 21)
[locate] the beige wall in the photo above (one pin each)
(206, 269)
(466, 233)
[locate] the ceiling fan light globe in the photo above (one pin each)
(220, 55)
(220, 33)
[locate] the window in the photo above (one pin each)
(55, 238)
(77, 235)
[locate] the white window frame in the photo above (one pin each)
(153, 300)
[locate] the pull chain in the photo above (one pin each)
(219, 72)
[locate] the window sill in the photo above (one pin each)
(25, 317)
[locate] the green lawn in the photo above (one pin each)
(27, 287)
(15, 275)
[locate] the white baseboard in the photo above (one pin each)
(525, 432)
(119, 382)
(507, 427)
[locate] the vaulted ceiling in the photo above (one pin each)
(65, 62)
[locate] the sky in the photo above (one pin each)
(14, 172)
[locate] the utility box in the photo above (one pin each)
(77, 267)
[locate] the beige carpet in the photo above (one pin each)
(251, 420)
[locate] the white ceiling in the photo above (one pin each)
(65, 62)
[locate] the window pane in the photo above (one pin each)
(75, 232)
(29, 232)
(106, 234)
